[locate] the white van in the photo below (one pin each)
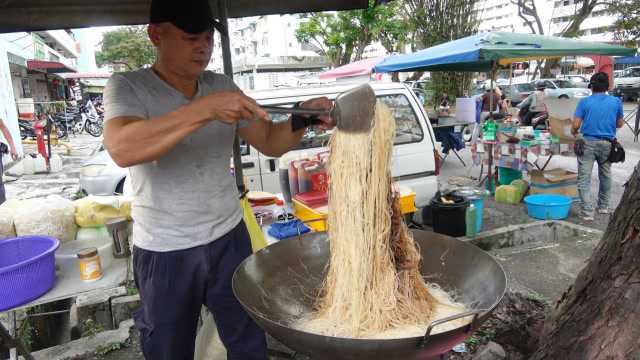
(627, 84)
(414, 157)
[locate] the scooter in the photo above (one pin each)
(26, 129)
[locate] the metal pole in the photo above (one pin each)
(228, 70)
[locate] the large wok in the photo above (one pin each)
(279, 283)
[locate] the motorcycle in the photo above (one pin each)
(26, 129)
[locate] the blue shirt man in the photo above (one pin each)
(599, 113)
(597, 118)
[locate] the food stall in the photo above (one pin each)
(498, 141)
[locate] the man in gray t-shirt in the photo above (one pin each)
(173, 126)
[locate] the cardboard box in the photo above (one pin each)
(562, 129)
(556, 181)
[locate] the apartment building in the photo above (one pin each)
(266, 53)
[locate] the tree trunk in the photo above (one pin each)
(598, 317)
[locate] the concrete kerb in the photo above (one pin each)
(86, 345)
(535, 232)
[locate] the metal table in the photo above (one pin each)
(67, 286)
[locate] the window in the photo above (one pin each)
(26, 88)
(549, 85)
(408, 129)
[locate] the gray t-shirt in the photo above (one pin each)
(187, 197)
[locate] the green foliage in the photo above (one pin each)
(27, 333)
(434, 22)
(128, 45)
(627, 26)
(343, 36)
(472, 341)
(132, 290)
(79, 195)
(91, 328)
(102, 351)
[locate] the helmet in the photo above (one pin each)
(540, 85)
(487, 86)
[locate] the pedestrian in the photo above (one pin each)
(173, 125)
(3, 150)
(596, 118)
(488, 99)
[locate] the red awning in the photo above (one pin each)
(50, 67)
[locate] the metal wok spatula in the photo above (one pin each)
(353, 110)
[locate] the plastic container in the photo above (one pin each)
(40, 164)
(90, 265)
(28, 165)
(55, 163)
(27, 269)
(508, 194)
(306, 171)
(476, 198)
(294, 187)
(449, 219)
(548, 206)
(471, 220)
(506, 175)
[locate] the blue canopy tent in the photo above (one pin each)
(484, 51)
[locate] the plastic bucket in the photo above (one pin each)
(507, 175)
(450, 219)
(548, 206)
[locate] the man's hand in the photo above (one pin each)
(230, 107)
(321, 103)
(14, 153)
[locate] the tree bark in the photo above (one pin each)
(598, 317)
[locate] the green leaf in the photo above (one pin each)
(127, 45)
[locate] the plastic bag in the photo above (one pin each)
(94, 211)
(7, 229)
(50, 216)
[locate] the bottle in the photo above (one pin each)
(470, 220)
(90, 266)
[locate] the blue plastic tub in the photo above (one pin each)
(548, 206)
(27, 269)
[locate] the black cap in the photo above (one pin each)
(191, 16)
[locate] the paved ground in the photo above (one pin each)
(64, 183)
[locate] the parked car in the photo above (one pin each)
(101, 176)
(414, 161)
(517, 92)
(627, 84)
(580, 81)
(563, 89)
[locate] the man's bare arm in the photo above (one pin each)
(276, 139)
(575, 127)
(134, 140)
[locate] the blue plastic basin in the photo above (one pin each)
(548, 206)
